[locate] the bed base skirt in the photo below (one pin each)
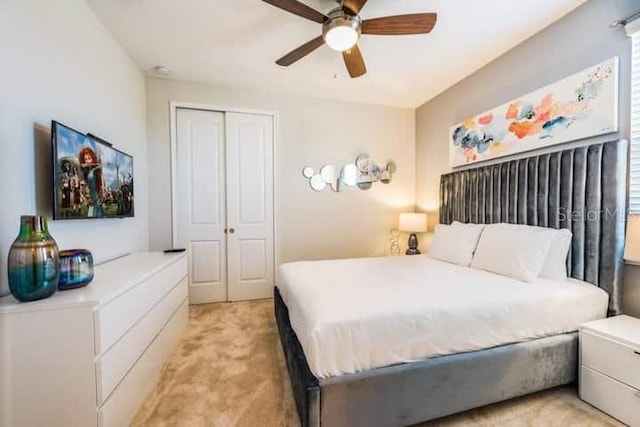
(305, 386)
(411, 393)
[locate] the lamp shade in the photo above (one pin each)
(413, 222)
(632, 245)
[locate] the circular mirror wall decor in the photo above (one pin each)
(328, 173)
(317, 183)
(349, 174)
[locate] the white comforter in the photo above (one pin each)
(356, 314)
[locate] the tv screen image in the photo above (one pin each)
(91, 178)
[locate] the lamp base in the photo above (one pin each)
(413, 245)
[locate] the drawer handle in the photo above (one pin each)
(637, 352)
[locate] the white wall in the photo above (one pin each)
(577, 41)
(311, 132)
(59, 62)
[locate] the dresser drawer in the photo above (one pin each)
(616, 399)
(612, 358)
(114, 364)
(114, 319)
(121, 406)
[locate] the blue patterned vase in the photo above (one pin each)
(76, 269)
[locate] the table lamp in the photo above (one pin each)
(413, 223)
(632, 245)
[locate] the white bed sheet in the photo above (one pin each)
(357, 314)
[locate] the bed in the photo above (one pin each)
(388, 380)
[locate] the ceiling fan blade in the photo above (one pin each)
(353, 6)
(300, 52)
(417, 23)
(299, 9)
(354, 62)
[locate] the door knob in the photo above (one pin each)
(231, 230)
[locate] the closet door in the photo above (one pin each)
(200, 202)
(250, 255)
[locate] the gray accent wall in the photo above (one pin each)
(577, 41)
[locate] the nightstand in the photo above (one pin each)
(610, 367)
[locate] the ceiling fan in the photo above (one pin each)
(342, 27)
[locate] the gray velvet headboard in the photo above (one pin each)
(582, 189)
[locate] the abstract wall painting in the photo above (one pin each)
(580, 106)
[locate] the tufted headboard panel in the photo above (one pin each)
(583, 189)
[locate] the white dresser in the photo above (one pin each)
(87, 357)
(610, 367)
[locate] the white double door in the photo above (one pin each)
(224, 203)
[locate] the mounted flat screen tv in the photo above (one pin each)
(91, 179)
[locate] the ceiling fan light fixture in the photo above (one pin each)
(341, 32)
(341, 38)
(342, 27)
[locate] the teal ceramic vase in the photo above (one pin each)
(34, 264)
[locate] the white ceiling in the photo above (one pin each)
(235, 43)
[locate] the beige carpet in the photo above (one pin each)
(229, 371)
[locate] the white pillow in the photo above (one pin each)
(517, 252)
(555, 264)
(455, 243)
